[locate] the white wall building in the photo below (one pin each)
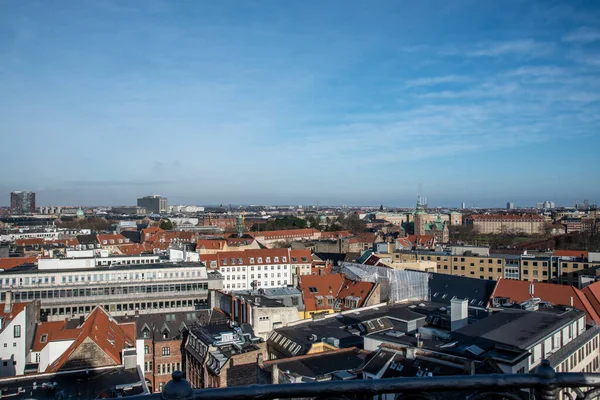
(17, 327)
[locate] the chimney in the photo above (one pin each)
(459, 313)
(275, 374)
(8, 304)
(531, 289)
(469, 367)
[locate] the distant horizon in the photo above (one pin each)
(294, 102)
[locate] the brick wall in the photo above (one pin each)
(242, 368)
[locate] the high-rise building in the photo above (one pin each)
(463, 205)
(510, 206)
(155, 203)
(22, 203)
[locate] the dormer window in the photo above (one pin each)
(304, 259)
(240, 262)
(260, 260)
(120, 240)
(276, 259)
(112, 241)
(232, 261)
(224, 260)
(146, 333)
(44, 338)
(251, 260)
(268, 260)
(284, 259)
(104, 242)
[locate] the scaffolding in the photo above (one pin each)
(396, 285)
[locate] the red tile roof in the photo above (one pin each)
(134, 249)
(30, 242)
(556, 294)
(298, 254)
(571, 253)
(286, 233)
(335, 235)
(592, 293)
(55, 332)
(108, 335)
(11, 262)
(209, 244)
(334, 285)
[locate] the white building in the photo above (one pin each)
(123, 285)
(257, 269)
(17, 327)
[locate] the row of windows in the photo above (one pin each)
(105, 291)
(243, 269)
(128, 307)
(37, 280)
(259, 284)
(240, 261)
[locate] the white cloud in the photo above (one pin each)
(527, 47)
(582, 35)
(536, 71)
(436, 80)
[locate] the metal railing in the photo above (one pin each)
(543, 384)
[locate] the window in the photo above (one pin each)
(166, 351)
(44, 338)
(319, 300)
(312, 289)
(146, 349)
(17, 331)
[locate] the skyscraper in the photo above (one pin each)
(155, 203)
(510, 206)
(22, 203)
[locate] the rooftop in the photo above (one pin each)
(89, 384)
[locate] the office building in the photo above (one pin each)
(22, 203)
(126, 285)
(510, 206)
(154, 203)
(529, 224)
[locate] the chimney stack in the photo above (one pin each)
(459, 314)
(275, 374)
(8, 304)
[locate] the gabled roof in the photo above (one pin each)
(592, 294)
(112, 239)
(332, 285)
(556, 294)
(103, 330)
(16, 309)
(134, 249)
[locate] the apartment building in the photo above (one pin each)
(268, 238)
(73, 287)
(529, 224)
(254, 269)
(474, 266)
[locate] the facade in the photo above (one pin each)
(257, 269)
(268, 238)
(22, 203)
(154, 204)
(529, 224)
(136, 284)
(129, 210)
(17, 327)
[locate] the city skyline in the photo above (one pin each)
(270, 103)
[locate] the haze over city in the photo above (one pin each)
(294, 103)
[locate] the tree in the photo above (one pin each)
(166, 225)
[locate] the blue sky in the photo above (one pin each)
(345, 102)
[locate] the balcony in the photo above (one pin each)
(544, 384)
